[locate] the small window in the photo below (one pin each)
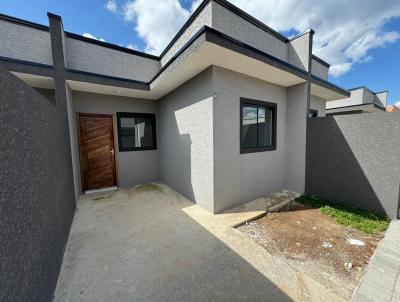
(136, 131)
(313, 113)
(257, 126)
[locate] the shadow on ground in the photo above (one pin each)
(140, 245)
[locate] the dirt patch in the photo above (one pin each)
(332, 254)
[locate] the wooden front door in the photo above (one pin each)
(96, 141)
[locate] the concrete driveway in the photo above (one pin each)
(150, 243)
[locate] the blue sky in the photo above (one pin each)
(376, 67)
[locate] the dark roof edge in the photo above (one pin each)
(87, 73)
(110, 45)
(330, 85)
(358, 105)
(319, 60)
(383, 91)
(24, 22)
(26, 62)
(233, 9)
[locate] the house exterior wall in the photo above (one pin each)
(319, 104)
(233, 25)
(296, 122)
(319, 70)
(134, 167)
(73, 130)
(25, 43)
(354, 160)
(93, 58)
(186, 139)
(37, 201)
(380, 98)
(204, 18)
(356, 98)
(299, 51)
(239, 177)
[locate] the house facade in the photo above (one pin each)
(361, 100)
(220, 116)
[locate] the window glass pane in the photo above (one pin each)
(144, 132)
(136, 132)
(264, 127)
(249, 127)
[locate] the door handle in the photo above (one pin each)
(112, 151)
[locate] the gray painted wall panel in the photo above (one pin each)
(232, 25)
(25, 43)
(319, 104)
(134, 167)
(102, 60)
(355, 160)
(239, 177)
(296, 119)
(319, 70)
(299, 51)
(37, 201)
(204, 18)
(186, 140)
(73, 130)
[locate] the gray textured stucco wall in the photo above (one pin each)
(233, 25)
(319, 104)
(48, 94)
(25, 43)
(134, 167)
(102, 60)
(319, 70)
(355, 160)
(239, 177)
(186, 139)
(296, 121)
(73, 130)
(204, 18)
(36, 192)
(299, 51)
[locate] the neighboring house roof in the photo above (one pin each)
(361, 100)
(392, 109)
(217, 33)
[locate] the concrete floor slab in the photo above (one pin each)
(150, 243)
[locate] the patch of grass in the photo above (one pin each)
(365, 221)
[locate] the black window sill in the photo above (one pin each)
(254, 150)
(137, 149)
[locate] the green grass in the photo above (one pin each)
(365, 221)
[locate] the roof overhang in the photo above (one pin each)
(357, 108)
(206, 48)
(327, 90)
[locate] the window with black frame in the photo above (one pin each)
(257, 126)
(136, 131)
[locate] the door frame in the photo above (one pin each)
(78, 128)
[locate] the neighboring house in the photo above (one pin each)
(392, 109)
(362, 100)
(220, 115)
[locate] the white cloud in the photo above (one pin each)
(346, 30)
(397, 104)
(90, 36)
(111, 6)
(156, 21)
(132, 46)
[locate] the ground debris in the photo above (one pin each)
(326, 244)
(355, 242)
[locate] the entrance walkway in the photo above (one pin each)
(150, 243)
